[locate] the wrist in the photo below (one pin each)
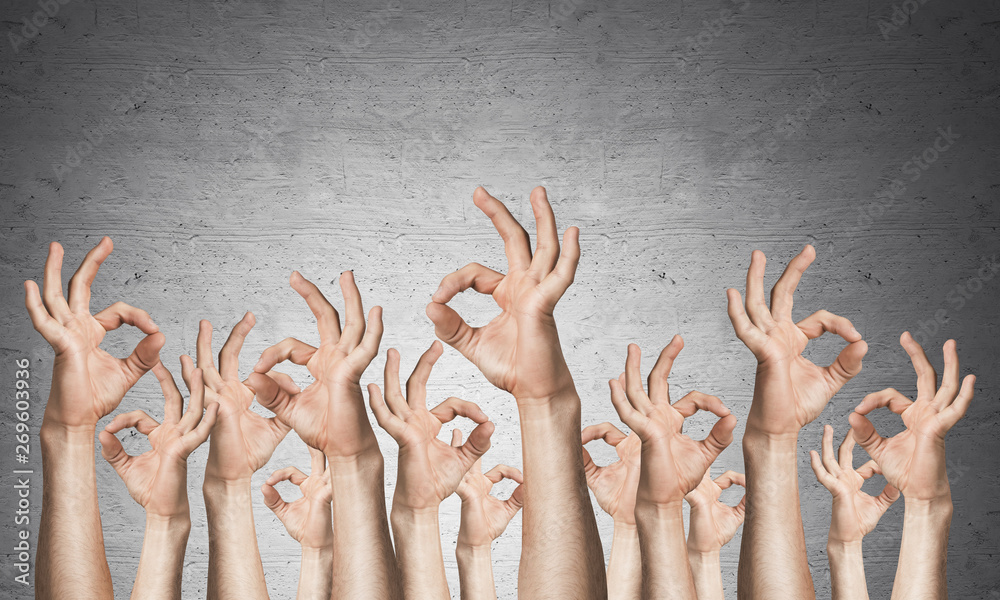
(560, 405)
(317, 552)
(659, 512)
(465, 550)
(404, 515)
(843, 547)
(936, 508)
(215, 487)
(625, 526)
(53, 432)
(760, 435)
(179, 523)
(702, 556)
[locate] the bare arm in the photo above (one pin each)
(87, 384)
(672, 465)
(519, 351)
(330, 415)
(789, 392)
(914, 462)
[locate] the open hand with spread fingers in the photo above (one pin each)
(713, 522)
(855, 512)
(87, 382)
(518, 351)
(243, 441)
(307, 519)
(157, 479)
(330, 413)
(672, 463)
(614, 486)
(484, 516)
(429, 469)
(790, 390)
(913, 461)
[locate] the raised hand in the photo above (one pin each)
(87, 382)
(914, 460)
(855, 512)
(672, 463)
(429, 469)
(308, 519)
(518, 351)
(484, 516)
(614, 486)
(790, 390)
(714, 523)
(157, 479)
(243, 441)
(330, 413)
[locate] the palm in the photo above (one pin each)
(676, 462)
(855, 513)
(485, 517)
(615, 485)
(154, 478)
(713, 523)
(309, 517)
(428, 467)
(920, 444)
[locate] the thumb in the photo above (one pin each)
(144, 357)
(479, 441)
(270, 394)
(113, 452)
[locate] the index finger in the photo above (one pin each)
(602, 431)
(516, 243)
(229, 356)
(327, 319)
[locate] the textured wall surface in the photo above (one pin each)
(224, 144)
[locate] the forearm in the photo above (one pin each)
(625, 564)
(70, 562)
(706, 568)
(364, 565)
(475, 572)
(316, 574)
(847, 570)
(418, 550)
(773, 559)
(162, 560)
(923, 552)
(234, 566)
(561, 547)
(665, 569)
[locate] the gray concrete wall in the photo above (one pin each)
(224, 144)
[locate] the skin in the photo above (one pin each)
(672, 465)
(87, 384)
(519, 352)
(914, 462)
(713, 525)
(614, 486)
(484, 519)
(429, 470)
(242, 443)
(309, 520)
(789, 392)
(854, 515)
(157, 480)
(330, 415)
